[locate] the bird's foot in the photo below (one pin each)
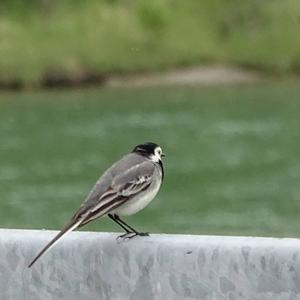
(130, 235)
(143, 233)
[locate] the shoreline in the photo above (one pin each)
(189, 76)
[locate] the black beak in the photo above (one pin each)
(163, 155)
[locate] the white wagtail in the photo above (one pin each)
(124, 189)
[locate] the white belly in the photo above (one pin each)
(134, 205)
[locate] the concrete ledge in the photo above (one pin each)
(86, 265)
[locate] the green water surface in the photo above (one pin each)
(232, 164)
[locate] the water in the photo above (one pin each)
(232, 164)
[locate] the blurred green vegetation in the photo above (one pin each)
(105, 36)
(232, 164)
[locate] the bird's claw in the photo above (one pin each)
(143, 233)
(130, 235)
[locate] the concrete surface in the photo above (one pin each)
(88, 265)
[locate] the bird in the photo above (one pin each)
(125, 188)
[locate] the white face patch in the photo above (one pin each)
(156, 157)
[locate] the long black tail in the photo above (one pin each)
(69, 227)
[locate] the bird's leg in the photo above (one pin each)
(130, 232)
(120, 224)
(131, 229)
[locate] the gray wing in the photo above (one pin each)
(121, 184)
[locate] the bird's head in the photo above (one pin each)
(150, 150)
